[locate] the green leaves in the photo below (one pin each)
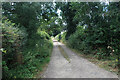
(3, 50)
(13, 39)
(98, 27)
(43, 35)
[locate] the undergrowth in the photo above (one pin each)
(107, 64)
(23, 58)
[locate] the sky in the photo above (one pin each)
(105, 1)
(58, 11)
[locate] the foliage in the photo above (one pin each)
(74, 39)
(99, 32)
(52, 27)
(68, 16)
(14, 39)
(57, 37)
(36, 51)
(96, 34)
(43, 35)
(16, 12)
(33, 50)
(63, 37)
(39, 15)
(90, 27)
(36, 54)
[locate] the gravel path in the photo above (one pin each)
(78, 67)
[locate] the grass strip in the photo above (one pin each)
(64, 53)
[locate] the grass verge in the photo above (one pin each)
(42, 68)
(107, 64)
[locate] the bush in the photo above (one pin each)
(13, 40)
(99, 43)
(34, 57)
(34, 52)
(63, 37)
(43, 35)
(76, 40)
(58, 37)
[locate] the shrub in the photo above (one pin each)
(99, 43)
(13, 40)
(36, 54)
(63, 37)
(43, 35)
(35, 51)
(76, 40)
(58, 37)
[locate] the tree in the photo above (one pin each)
(31, 15)
(68, 15)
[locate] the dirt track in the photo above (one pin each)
(78, 67)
